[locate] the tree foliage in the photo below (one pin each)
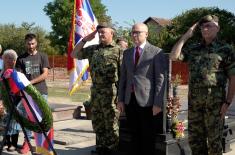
(181, 23)
(12, 37)
(123, 32)
(60, 12)
(100, 11)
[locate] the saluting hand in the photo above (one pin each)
(190, 31)
(90, 36)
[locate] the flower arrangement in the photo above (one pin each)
(176, 80)
(175, 126)
(178, 128)
(173, 106)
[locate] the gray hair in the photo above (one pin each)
(10, 53)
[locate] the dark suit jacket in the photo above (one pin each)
(147, 77)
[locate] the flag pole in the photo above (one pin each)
(39, 124)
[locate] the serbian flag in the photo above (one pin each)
(83, 23)
(17, 82)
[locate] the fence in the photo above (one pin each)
(59, 63)
(58, 69)
(180, 68)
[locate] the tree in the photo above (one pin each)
(100, 11)
(181, 23)
(60, 12)
(12, 37)
(123, 32)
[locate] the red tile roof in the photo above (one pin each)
(160, 21)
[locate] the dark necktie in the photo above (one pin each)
(137, 54)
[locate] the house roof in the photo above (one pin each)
(159, 21)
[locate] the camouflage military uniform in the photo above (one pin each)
(105, 64)
(209, 67)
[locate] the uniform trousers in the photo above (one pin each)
(105, 117)
(205, 126)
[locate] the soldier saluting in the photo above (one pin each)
(105, 61)
(211, 64)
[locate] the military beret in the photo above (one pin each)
(208, 18)
(104, 25)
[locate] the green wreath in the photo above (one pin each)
(47, 118)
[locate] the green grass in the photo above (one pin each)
(79, 96)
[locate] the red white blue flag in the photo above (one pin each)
(17, 82)
(83, 23)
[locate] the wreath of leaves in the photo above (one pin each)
(47, 118)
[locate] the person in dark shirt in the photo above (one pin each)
(34, 65)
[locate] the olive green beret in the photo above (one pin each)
(208, 18)
(104, 25)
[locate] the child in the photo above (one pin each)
(12, 133)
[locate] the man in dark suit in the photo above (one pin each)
(141, 89)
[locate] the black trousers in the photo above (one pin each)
(142, 127)
(12, 140)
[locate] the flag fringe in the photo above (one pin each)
(41, 150)
(74, 86)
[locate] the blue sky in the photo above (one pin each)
(121, 11)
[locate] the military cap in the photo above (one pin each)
(104, 25)
(209, 18)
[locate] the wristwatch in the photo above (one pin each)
(228, 103)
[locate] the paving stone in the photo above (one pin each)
(72, 136)
(65, 111)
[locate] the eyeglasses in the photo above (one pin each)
(137, 32)
(208, 26)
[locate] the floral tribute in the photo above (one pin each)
(178, 128)
(173, 107)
